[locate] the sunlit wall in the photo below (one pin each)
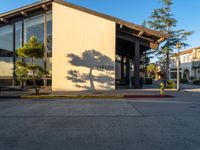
(83, 51)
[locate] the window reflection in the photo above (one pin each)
(34, 26)
(6, 55)
(49, 43)
(6, 41)
(18, 35)
(49, 34)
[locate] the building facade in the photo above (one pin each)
(85, 50)
(189, 64)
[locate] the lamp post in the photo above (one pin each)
(178, 46)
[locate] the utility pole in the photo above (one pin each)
(178, 46)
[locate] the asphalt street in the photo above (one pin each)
(134, 124)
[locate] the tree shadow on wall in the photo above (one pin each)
(94, 61)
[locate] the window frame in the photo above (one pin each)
(13, 24)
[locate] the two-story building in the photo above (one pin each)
(189, 64)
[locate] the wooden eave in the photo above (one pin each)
(25, 11)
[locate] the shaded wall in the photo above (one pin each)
(83, 56)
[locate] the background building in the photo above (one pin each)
(189, 64)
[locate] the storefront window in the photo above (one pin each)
(18, 35)
(34, 26)
(6, 55)
(49, 34)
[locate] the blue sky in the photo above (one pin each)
(185, 11)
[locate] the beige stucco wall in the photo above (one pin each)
(6, 67)
(83, 51)
(196, 53)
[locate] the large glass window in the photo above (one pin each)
(34, 26)
(49, 34)
(18, 35)
(18, 44)
(6, 41)
(49, 43)
(6, 55)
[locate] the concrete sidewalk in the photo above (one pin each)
(121, 92)
(19, 92)
(127, 92)
(115, 92)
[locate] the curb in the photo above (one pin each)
(148, 96)
(94, 97)
(84, 96)
(71, 97)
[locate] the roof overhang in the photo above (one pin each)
(25, 11)
(154, 37)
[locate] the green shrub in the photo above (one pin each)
(196, 81)
(170, 84)
(148, 81)
(183, 81)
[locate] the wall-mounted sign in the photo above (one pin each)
(105, 67)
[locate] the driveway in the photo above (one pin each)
(145, 124)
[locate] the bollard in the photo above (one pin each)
(162, 87)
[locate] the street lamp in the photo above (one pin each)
(178, 46)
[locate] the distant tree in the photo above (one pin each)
(151, 70)
(148, 55)
(162, 20)
(30, 70)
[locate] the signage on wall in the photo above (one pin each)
(105, 67)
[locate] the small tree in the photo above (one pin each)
(30, 70)
(22, 74)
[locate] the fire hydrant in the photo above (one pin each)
(162, 87)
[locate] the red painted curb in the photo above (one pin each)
(148, 96)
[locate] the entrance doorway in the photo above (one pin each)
(124, 71)
(125, 58)
(186, 74)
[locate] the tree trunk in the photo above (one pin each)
(35, 85)
(22, 84)
(34, 80)
(91, 80)
(167, 66)
(167, 59)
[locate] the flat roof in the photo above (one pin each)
(142, 31)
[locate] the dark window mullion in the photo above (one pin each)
(14, 55)
(45, 46)
(22, 33)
